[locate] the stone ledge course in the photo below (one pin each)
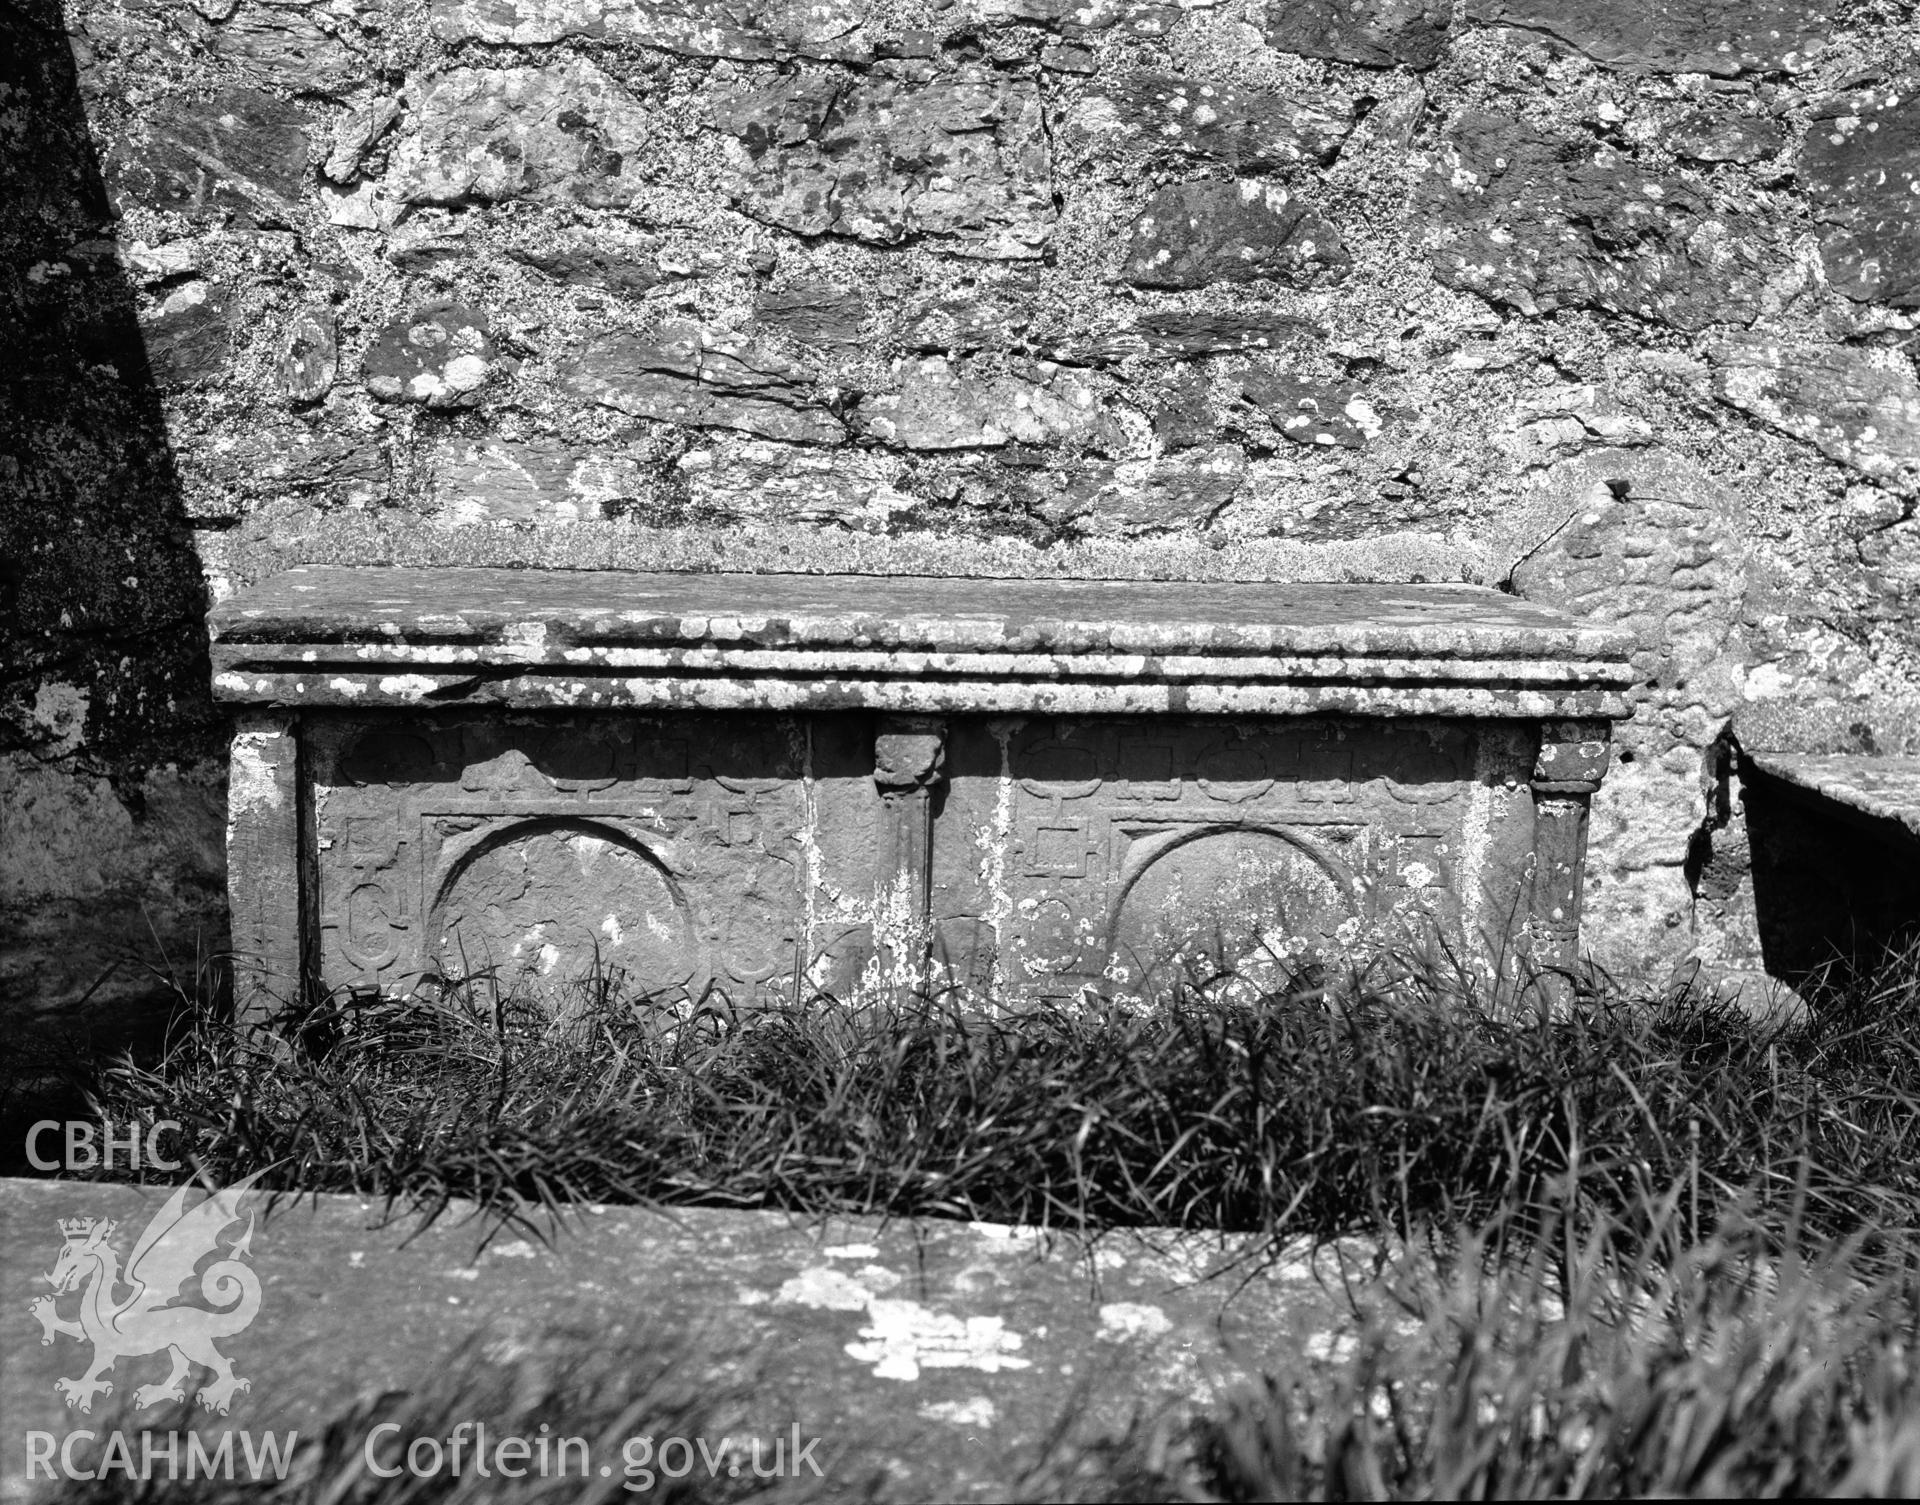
(330, 636)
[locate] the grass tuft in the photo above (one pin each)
(1397, 1097)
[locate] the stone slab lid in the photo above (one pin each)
(1878, 792)
(338, 636)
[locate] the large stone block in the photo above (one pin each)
(1860, 163)
(941, 1355)
(839, 488)
(290, 461)
(1860, 407)
(293, 44)
(684, 374)
(883, 159)
(439, 356)
(743, 30)
(1723, 37)
(1147, 18)
(1375, 33)
(1532, 220)
(758, 784)
(1163, 115)
(937, 408)
(189, 335)
(241, 150)
(566, 133)
(498, 481)
(1196, 234)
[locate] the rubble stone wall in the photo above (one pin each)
(1609, 302)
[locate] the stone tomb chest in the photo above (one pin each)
(785, 783)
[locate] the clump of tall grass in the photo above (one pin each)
(1399, 1096)
(1555, 1366)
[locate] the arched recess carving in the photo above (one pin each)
(1230, 899)
(545, 901)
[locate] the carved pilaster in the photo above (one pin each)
(1572, 761)
(264, 886)
(907, 758)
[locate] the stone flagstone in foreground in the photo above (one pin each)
(939, 1352)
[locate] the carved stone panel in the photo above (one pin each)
(1123, 853)
(762, 855)
(664, 851)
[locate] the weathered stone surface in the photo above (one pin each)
(1138, 501)
(189, 335)
(1065, 57)
(938, 408)
(938, 1355)
(241, 150)
(1213, 331)
(1710, 135)
(1312, 413)
(1183, 419)
(1723, 37)
(310, 356)
(356, 134)
(1147, 18)
(334, 469)
(293, 44)
(744, 30)
(440, 355)
(1861, 167)
(497, 842)
(816, 313)
(1566, 421)
(1194, 633)
(1195, 234)
(566, 133)
(81, 860)
(686, 375)
(844, 488)
(1646, 542)
(884, 160)
(499, 481)
(1376, 33)
(989, 319)
(1834, 864)
(616, 271)
(1862, 407)
(1652, 545)
(1164, 115)
(265, 872)
(1530, 220)
(541, 849)
(1206, 331)
(1883, 789)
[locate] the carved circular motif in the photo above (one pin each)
(1233, 772)
(1238, 903)
(544, 907)
(389, 757)
(1058, 770)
